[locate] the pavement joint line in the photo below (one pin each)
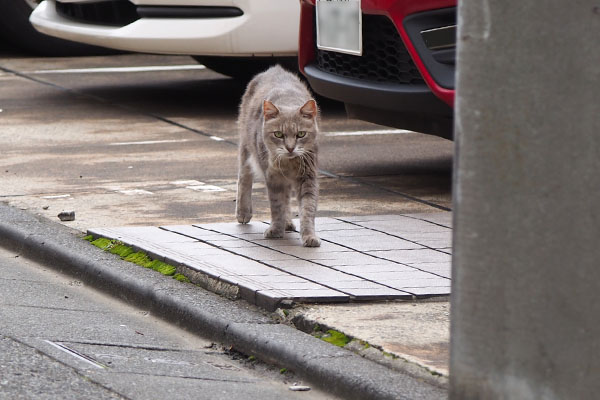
(352, 297)
(426, 220)
(246, 328)
(104, 101)
(396, 236)
(406, 196)
(208, 135)
(124, 346)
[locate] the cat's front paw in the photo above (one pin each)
(243, 217)
(273, 233)
(311, 241)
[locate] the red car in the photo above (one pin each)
(391, 62)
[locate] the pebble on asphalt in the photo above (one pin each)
(66, 215)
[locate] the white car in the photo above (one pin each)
(256, 32)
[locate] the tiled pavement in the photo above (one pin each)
(360, 258)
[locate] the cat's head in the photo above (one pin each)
(290, 131)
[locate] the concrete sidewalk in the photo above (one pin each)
(375, 270)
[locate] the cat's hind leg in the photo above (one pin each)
(243, 207)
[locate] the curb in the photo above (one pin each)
(236, 323)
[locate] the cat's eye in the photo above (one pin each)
(278, 134)
(301, 134)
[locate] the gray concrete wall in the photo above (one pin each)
(526, 294)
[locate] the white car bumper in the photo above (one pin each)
(267, 27)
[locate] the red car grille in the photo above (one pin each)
(384, 59)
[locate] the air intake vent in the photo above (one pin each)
(112, 12)
(384, 59)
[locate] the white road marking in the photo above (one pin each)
(133, 192)
(76, 354)
(149, 68)
(198, 186)
(367, 133)
(206, 188)
(149, 142)
(190, 182)
(58, 196)
(218, 139)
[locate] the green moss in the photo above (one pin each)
(120, 249)
(89, 238)
(336, 338)
(364, 344)
(103, 243)
(317, 328)
(386, 354)
(163, 268)
(251, 358)
(139, 258)
(181, 278)
(283, 370)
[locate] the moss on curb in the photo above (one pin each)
(336, 338)
(181, 278)
(140, 258)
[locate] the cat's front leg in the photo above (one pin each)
(243, 205)
(308, 195)
(278, 193)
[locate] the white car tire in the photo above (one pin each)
(244, 68)
(17, 31)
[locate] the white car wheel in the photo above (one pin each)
(15, 30)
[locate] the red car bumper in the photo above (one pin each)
(414, 86)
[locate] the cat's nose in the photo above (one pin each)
(290, 149)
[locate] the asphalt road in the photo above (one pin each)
(65, 340)
(148, 140)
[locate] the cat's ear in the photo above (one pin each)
(309, 109)
(269, 110)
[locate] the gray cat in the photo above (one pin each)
(278, 137)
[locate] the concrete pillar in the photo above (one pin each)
(526, 288)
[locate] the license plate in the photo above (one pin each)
(339, 26)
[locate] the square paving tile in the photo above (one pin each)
(415, 283)
(234, 228)
(148, 234)
(198, 233)
(428, 291)
(441, 218)
(376, 241)
(413, 256)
